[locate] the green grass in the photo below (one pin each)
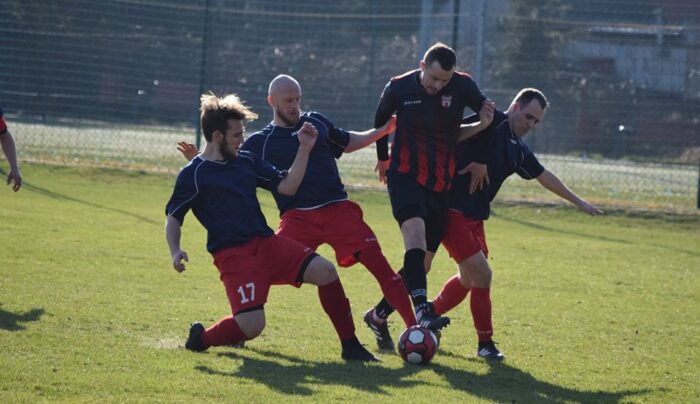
(586, 309)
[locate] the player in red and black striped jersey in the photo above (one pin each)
(10, 151)
(429, 104)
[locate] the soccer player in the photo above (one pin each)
(219, 187)
(429, 104)
(470, 198)
(320, 212)
(8, 148)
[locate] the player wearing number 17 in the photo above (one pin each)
(219, 186)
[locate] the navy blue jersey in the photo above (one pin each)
(507, 154)
(222, 197)
(427, 126)
(321, 184)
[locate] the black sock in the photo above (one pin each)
(416, 283)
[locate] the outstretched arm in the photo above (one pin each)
(8, 147)
(550, 181)
(307, 138)
(172, 235)
(359, 140)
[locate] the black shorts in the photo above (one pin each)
(410, 199)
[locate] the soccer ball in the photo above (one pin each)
(417, 345)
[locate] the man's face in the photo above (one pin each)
(286, 102)
(434, 77)
(526, 117)
(232, 140)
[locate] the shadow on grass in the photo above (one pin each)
(501, 383)
(27, 187)
(292, 375)
(505, 383)
(12, 321)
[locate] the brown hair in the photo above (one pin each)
(215, 113)
(443, 54)
(526, 95)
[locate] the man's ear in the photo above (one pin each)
(270, 101)
(217, 136)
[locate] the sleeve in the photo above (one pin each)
(530, 168)
(482, 143)
(386, 107)
(338, 139)
(473, 95)
(184, 195)
(3, 125)
(253, 145)
(268, 175)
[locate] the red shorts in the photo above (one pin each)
(249, 270)
(464, 237)
(338, 224)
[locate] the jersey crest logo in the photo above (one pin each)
(446, 101)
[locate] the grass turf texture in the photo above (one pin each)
(585, 309)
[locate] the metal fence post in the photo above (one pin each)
(202, 66)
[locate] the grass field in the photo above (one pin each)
(586, 309)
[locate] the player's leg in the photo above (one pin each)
(477, 269)
(322, 273)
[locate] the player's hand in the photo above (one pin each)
(381, 168)
(479, 176)
(307, 136)
(188, 150)
(590, 209)
(486, 112)
(178, 257)
(388, 127)
(16, 178)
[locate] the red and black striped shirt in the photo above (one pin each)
(427, 126)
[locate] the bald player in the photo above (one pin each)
(321, 212)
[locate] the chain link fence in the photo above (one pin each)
(117, 83)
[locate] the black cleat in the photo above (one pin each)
(381, 332)
(194, 341)
(427, 318)
(354, 351)
(488, 350)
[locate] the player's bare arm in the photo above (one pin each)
(188, 150)
(550, 181)
(8, 147)
(359, 140)
(172, 235)
(307, 138)
(485, 118)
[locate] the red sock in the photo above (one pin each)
(452, 294)
(390, 282)
(225, 332)
(481, 312)
(337, 306)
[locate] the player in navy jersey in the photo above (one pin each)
(10, 151)
(429, 104)
(470, 199)
(320, 212)
(219, 187)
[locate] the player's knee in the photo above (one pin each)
(476, 268)
(251, 323)
(320, 272)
